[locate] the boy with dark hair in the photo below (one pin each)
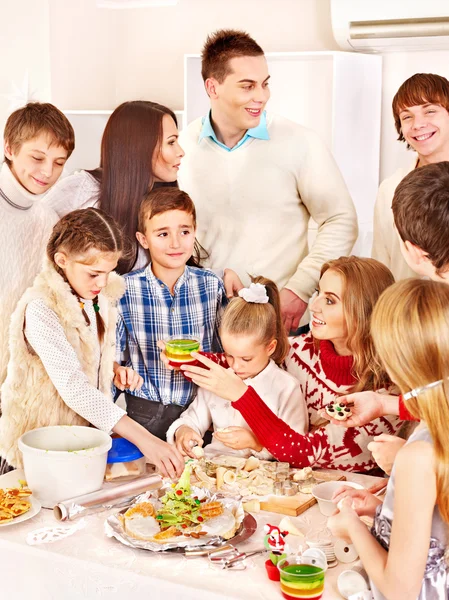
(266, 176)
(38, 140)
(421, 116)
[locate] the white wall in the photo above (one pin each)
(25, 49)
(101, 57)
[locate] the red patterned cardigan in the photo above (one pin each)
(323, 376)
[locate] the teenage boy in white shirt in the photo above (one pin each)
(420, 111)
(256, 180)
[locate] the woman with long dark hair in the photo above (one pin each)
(139, 150)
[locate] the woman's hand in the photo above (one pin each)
(127, 379)
(224, 383)
(384, 448)
(163, 356)
(363, 502)
(238, 438)
(341, 522)
(186, 438)
(367, 407)
(232, 283)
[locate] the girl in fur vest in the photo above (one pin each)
(62, 343)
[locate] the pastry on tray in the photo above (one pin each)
(13, 503)
(180, 513)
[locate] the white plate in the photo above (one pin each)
(12, 480)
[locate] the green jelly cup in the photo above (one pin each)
(179, 350)
(301, 580)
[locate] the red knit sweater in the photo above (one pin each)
(323, 376)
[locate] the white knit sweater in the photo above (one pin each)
(278, 389)
(24, 235)
(386, 246)
(254, 204)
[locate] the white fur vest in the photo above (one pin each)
(28, 397)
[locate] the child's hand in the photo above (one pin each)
(127, 379)
(163, 356)
(238, 438)
(341, 522)
(232, 283)
(186, 438)
(384, 449)
(364, 503)
(224, 383)
(166, 457)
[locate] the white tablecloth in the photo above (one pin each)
(88, 565)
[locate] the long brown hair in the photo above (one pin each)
(132, 135)
(364, 280)
(79, 232)
(162, 200)
(410, 326)
(263, 320)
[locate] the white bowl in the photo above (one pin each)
(64, 461)
(323, 492)
(352, 582)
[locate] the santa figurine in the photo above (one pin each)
(274, 542)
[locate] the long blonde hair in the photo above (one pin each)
(364, 280)
(262, 320)
(410, 328)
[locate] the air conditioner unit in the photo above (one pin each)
(390, 25)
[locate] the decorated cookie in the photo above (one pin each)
(337, 411)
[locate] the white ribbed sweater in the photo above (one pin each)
(24, 235)
(254, 204)
(386, 245)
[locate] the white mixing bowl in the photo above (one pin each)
(323, 492)
(64, 461)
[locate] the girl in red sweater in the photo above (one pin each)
(337, 356)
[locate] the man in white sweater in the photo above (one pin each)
(421, 115)
(38, 141)
(256, 180)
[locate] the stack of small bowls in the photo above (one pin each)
(327, 547)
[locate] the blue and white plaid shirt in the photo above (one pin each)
(148, 313)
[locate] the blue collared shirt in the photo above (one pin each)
(148, 312)
(260, 132)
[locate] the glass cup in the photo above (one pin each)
(178, 350)
(302, 577)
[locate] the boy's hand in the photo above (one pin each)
(232, 283)
(186, 438)
(238, 438)
(127, 379)
(163, 356)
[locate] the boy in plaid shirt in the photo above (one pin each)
(172, 296)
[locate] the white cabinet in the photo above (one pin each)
(338, 94)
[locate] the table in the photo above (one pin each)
(88, 565)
